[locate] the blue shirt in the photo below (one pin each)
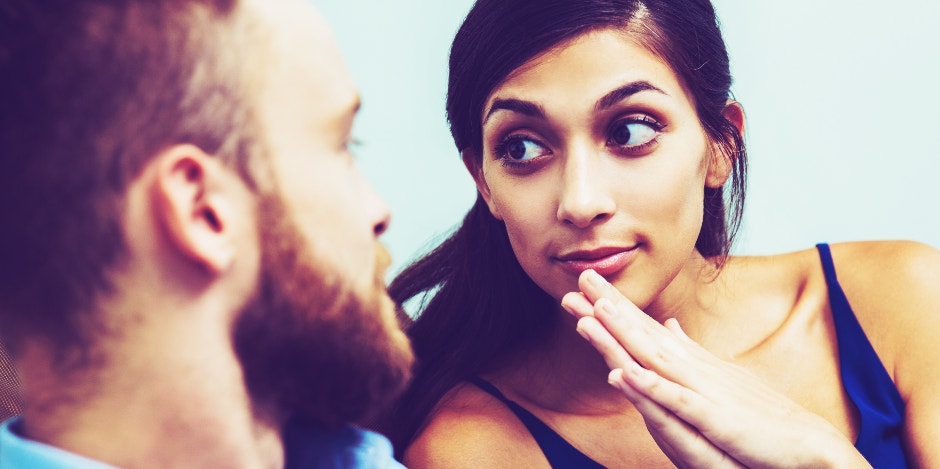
(305, 447)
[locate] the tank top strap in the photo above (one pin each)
(560, 453)
(829, 267)
(865, 379)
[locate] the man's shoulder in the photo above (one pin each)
(309, 446)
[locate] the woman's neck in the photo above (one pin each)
(561, 372)
(693, 298)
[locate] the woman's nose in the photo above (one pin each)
(585, 198)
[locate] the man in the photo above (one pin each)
(9, 387)
(189, 268)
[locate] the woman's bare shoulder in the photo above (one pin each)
(892, 286)
(783, 270)
(897, 281)
(908, 260)
(471, 429)
(869, 266)
(775, 282)
(894, 289)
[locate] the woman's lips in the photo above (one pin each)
(605, 262)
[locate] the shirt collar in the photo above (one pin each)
(18, 452)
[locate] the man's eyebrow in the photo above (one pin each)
(515, 105)
(625, 92)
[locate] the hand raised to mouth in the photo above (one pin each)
(702, 411)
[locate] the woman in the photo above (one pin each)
(603, 142)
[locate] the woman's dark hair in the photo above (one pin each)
(485, 305)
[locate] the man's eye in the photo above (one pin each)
(351, 144)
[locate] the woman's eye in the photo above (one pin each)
(519, 148)
(633, 132)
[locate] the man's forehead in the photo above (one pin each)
(302, 57)
(295, 27)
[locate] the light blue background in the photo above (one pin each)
(841, 96)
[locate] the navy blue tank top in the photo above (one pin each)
(560, 453)
(864, 378)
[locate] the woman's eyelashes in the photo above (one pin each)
(633, 134)
(520, 149)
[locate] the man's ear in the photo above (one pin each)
(192, 207)
(723, 155)
(475, 167)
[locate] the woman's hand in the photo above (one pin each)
(701, 410)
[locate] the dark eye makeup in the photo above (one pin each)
(632, 134)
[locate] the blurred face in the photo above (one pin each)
(594, 158)
(320, 340)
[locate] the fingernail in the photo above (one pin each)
(615, 378)
(594, 279)
(566, 308)
(582, 332)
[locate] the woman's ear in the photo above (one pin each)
(734, 112)
(474, 166)
(723, 154)
(192, 206)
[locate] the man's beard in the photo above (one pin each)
(311, 349)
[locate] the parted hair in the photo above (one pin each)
(478, 303)
(90, 91)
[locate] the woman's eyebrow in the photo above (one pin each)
(625, 92)
(531, 109)
(515, 105)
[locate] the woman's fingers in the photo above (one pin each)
(654, 345)
(701, 410)
(613, 353)
(708, 419)
(672, 324)
(665, 350)
(594, 287)
(683, 444)
(577, 305)
(656, 394)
